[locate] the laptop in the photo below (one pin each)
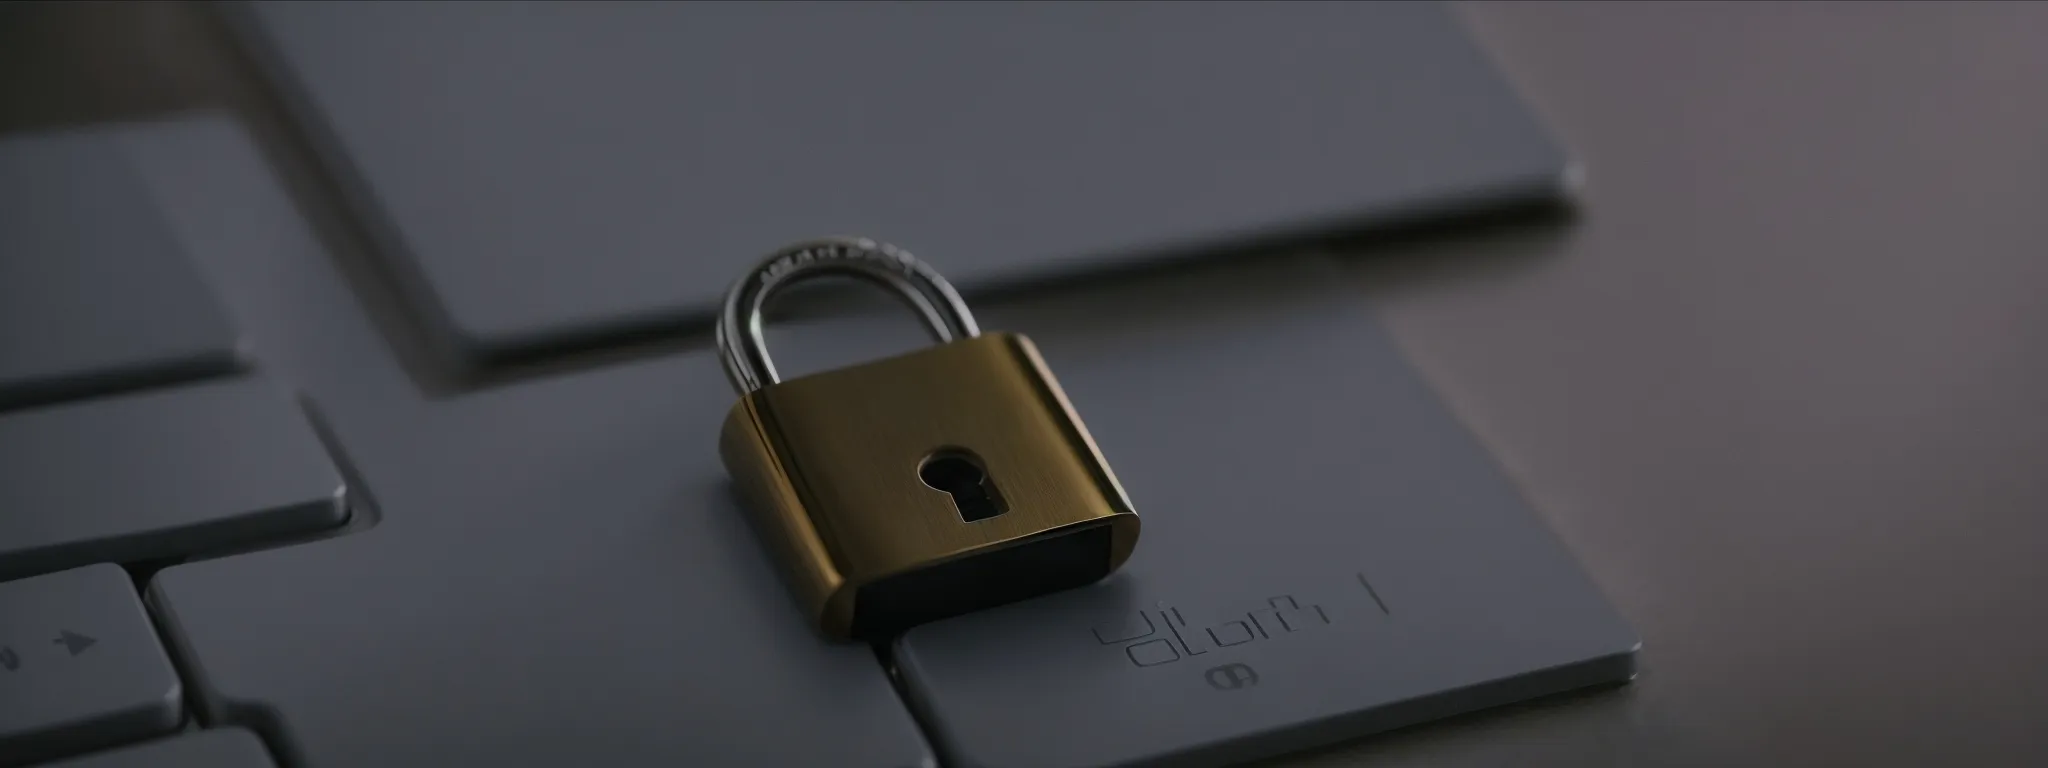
(238, 533)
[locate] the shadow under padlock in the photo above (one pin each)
(914, 476)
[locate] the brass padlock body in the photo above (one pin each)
(828, 465)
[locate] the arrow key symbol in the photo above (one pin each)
(73, 642)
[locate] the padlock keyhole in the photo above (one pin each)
(960, 476)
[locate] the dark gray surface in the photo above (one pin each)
(545, 175)
(199, 468)
(1779, 390)
(94, 294)
(1279, 449)
(1782, 388)
(557, 576)
(219, 748)
(580, 531)
(86, 666)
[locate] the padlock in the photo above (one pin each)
(917, 487)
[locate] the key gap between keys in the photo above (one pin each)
(117, 382)
(205, 707)
(628, 341)
(885, 655)
(387, 281)
(363, 513)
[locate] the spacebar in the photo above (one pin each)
(162, 474)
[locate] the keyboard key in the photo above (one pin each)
(1327, 554)
(80, 666)
(585, 172)
(95, 294)
(163, 473)
(218, 748)
(549, 584)
(542, 550)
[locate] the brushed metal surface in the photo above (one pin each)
(830, 461)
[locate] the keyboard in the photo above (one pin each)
(305, 552)
(240, 530)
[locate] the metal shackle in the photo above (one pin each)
(740, 339)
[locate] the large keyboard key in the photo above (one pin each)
(1327, 554)
(554, 174)
(80, 666)
(552, 581)
(218, 748)
(164, 473)
(95, 295)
